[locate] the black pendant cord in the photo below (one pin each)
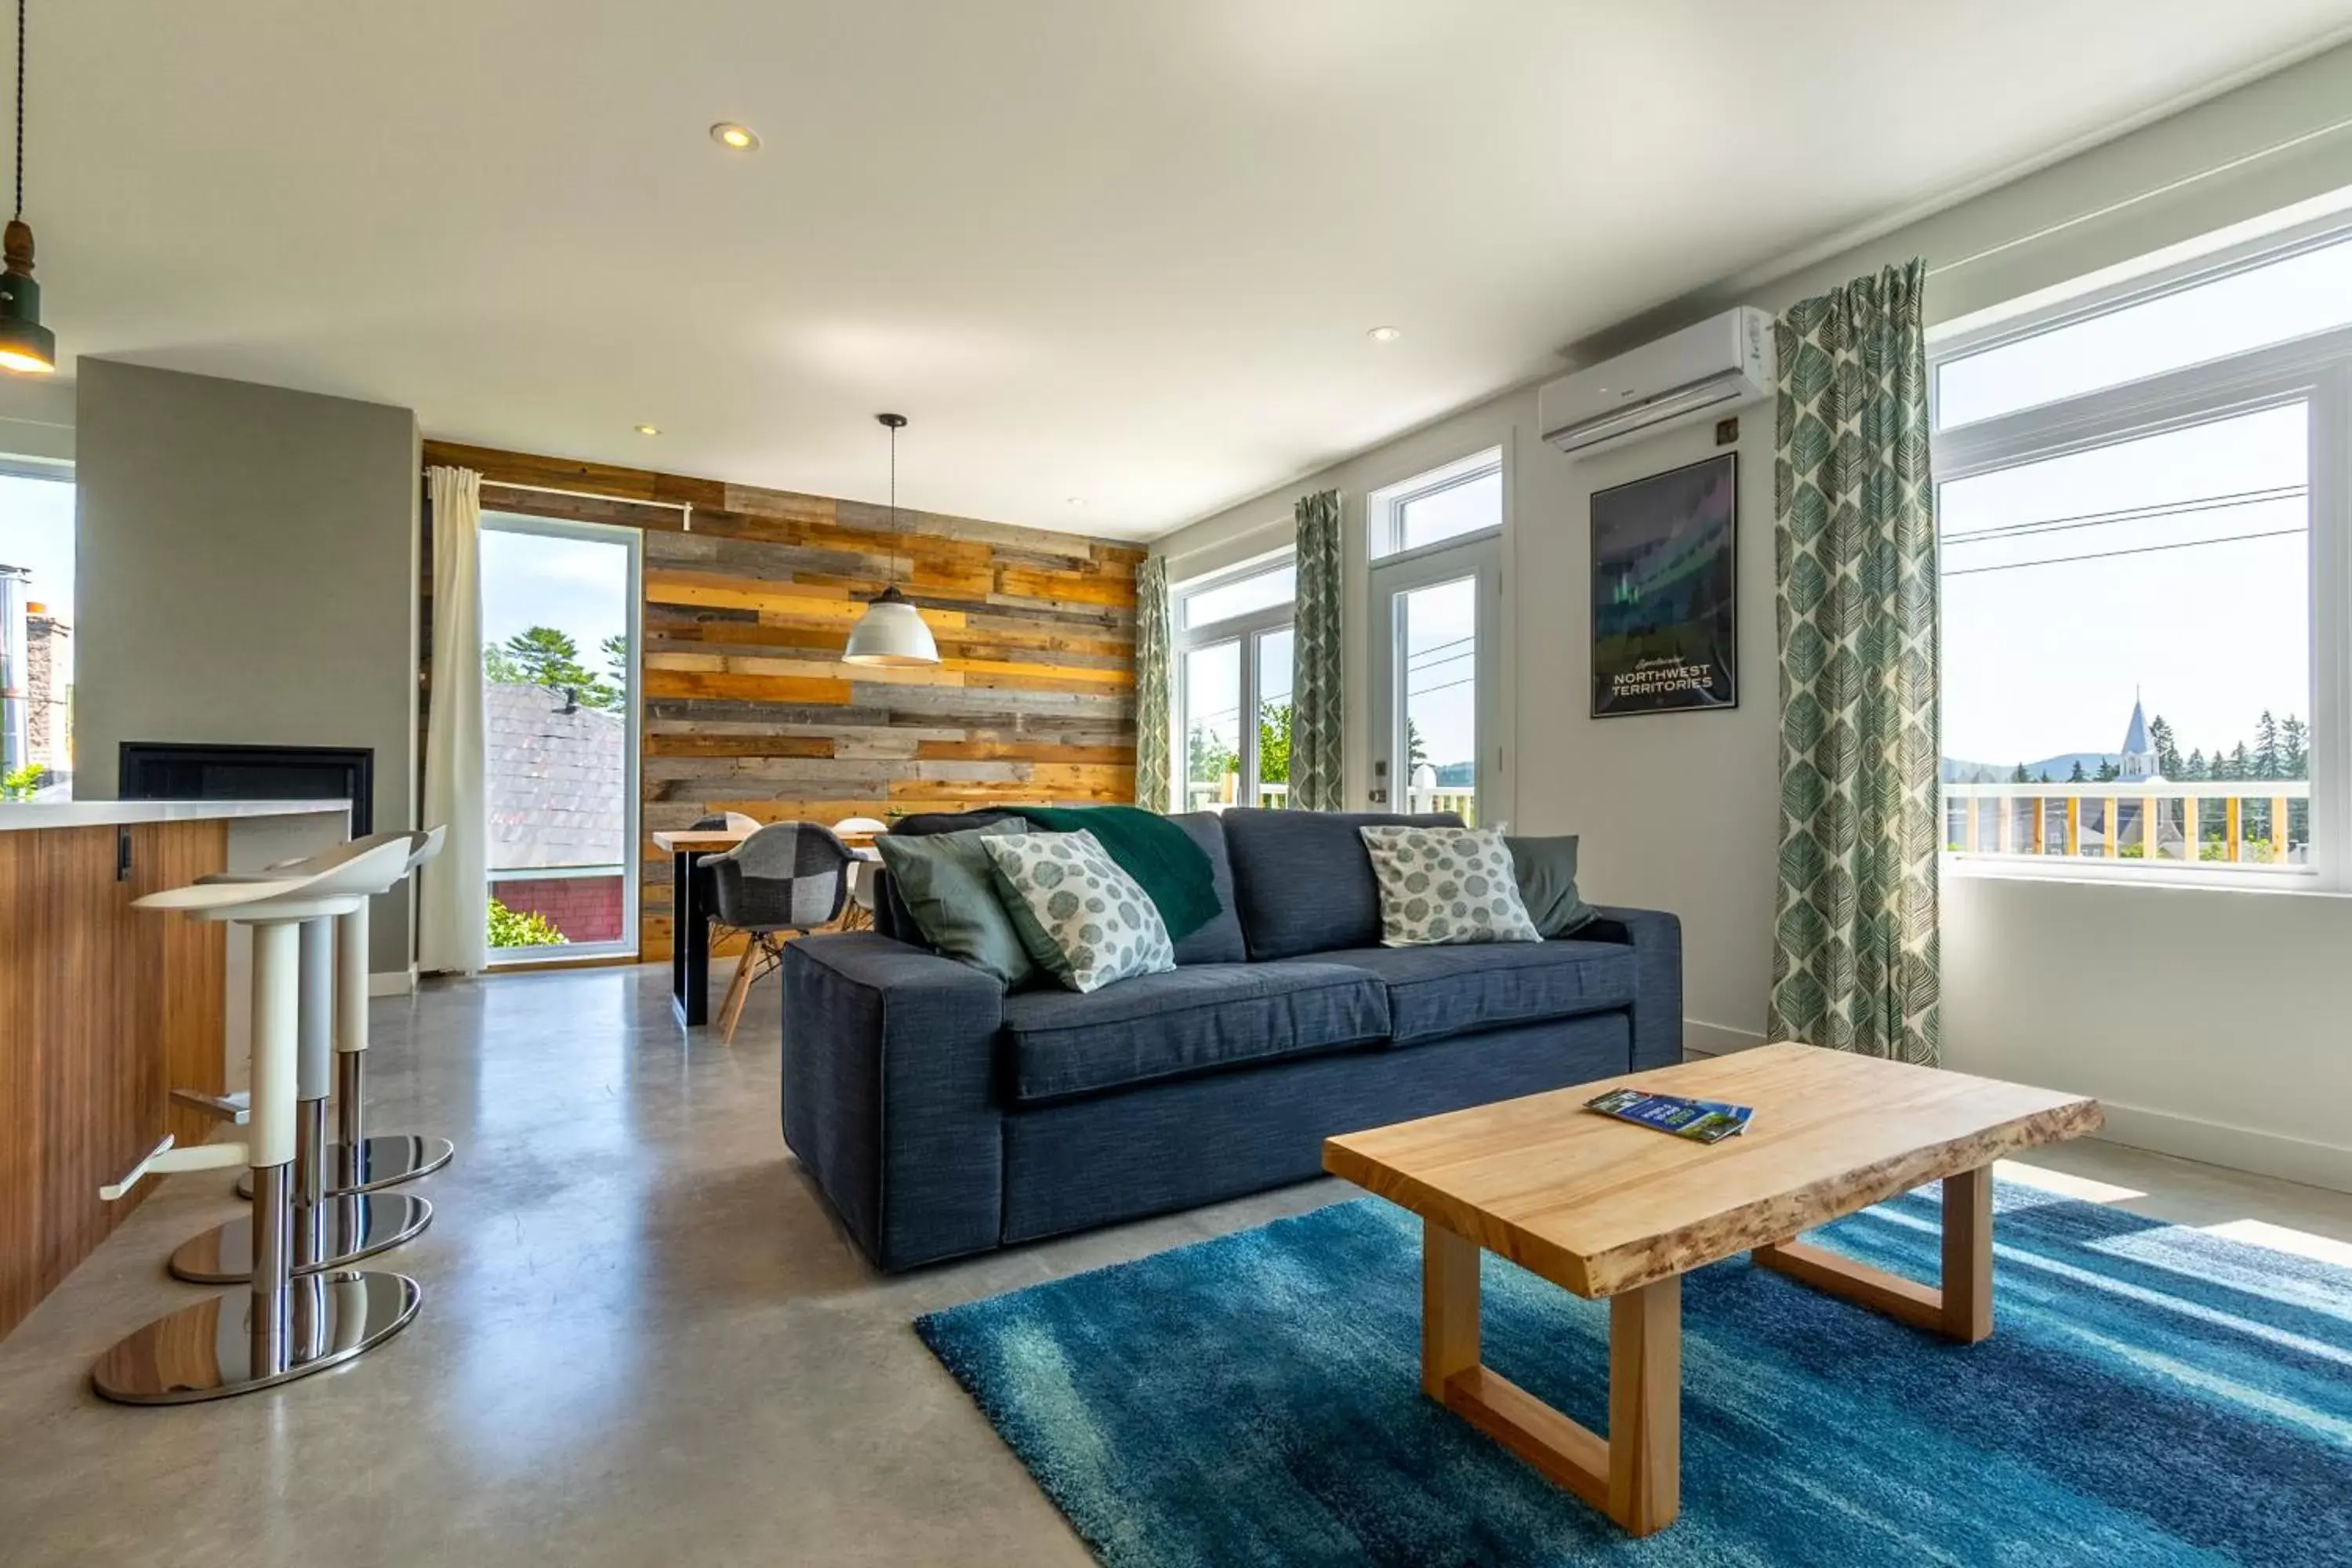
(20, 108)
(894, 492)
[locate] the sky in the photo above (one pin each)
(2174, 567)
(578, 586)
(2049, 631)
(36, 530)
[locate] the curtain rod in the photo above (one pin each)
(684, 508)
(2166, 189)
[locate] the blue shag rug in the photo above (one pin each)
(2151, 1394)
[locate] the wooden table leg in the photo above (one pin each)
(1636, 1475)
(1449, 1307)
(1959, 1307)
(1645, 1405)
(1968, 1255)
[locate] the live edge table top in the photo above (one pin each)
(1601, 1206)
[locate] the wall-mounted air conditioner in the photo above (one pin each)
(1695, 374)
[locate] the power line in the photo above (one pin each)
(2138, 549)
(2131, 514)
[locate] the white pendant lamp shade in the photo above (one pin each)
(890, 632)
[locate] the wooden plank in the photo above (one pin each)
(1967, 1285)
(1832, 1274)
(1645, 1366)
(1599, 1206)
(1559, 1449)
(1449, 1307)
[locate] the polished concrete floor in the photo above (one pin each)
(644, 1340)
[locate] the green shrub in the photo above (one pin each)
(528, 929)
(18, 784)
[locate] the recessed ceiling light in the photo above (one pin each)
(742, 138)
(648, 429)
(1076, 501)
(1385, 334)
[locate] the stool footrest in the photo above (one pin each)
(163, 1159)
(236, 1110)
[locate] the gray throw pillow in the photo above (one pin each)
(1445, 885)
(1080, 913)
(1546, 869)
(949, 890)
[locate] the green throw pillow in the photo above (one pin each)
(1079, 912)
(946, 883)
(1546, 869)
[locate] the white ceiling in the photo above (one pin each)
(1122, 250)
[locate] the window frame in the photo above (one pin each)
(2315, 370)
(1384, 507)
(630, 944)
(1243, 629)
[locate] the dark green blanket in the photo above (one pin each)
(1149, 847)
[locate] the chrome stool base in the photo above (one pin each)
(345, 1229)
(385, 1162)
(208, 1351)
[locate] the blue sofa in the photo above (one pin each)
(941, 1116)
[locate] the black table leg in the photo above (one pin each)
(690, 943)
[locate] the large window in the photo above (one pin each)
(2141, 504)
(1234, 653)
(559, 710)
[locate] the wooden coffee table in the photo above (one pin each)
(1605, 1209)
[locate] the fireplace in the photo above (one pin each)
(172, 769)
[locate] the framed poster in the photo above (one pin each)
(1665, 583)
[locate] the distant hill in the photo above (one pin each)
(2059, 768)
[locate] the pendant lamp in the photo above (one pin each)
(891, 631)
(25, 345)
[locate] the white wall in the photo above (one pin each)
(2217, 1025)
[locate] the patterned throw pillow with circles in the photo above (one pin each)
(1441, 885)
(1079, 914)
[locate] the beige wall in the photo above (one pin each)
(246, 573)
(2212, 1021)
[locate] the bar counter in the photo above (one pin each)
(105, 1009)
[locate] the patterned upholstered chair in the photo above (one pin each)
(786, 879)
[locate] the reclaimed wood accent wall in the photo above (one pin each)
(104, 1010)
(749, 598)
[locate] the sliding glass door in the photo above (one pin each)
(560, 711)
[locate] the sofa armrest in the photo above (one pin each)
(1656, 939)
(890, 1093)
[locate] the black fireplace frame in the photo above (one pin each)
(176, 770)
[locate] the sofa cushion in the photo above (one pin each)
(1446, 886)
(1434, 992)
(1186, 1021)
(1302, 880)
(1218, 942)
(1080, 915)
(946, 889)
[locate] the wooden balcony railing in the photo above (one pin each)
(2240, 822)
(1202, 795)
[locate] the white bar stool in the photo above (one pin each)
(282, 1328)
(331, 1230)
(359, 1161)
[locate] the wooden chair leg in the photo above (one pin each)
(739, 991)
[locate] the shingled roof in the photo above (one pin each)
(558, 781)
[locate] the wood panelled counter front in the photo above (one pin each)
(103, 1011)
(749, 598)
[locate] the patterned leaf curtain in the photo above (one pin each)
(1316, 704)
(1153, 672)
(1855, 962)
